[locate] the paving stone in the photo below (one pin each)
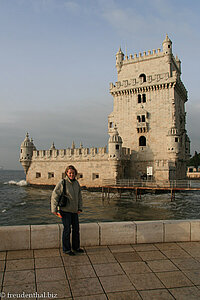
(19, 254)
(146, 281)
(121, 248)
(20, 264)
(186, 263)
(194, 252)
(174, 279)
(135, 267)
(46, 253)
(193, 275)
(108, 269)
(167, 246)
(144, 247)
(68, 298)
(54, 290)
(161, 265)
(161, 294)
(48, 262)
(93, 297)
(65, 298)
(85, 287)
(127, 256)
(2, 265)
(97, 250)
(21, 289)
(80, 271)
(2, 255)
(102, 258)
(52, 274)
(1, 278)
(129, 295)
(19, 277)
(175, 253)
(189, 245)
(117, 283)
(185, 293)
(151, 255)
(76, 260)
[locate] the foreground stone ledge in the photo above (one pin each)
(149, 232)
(45, 236)
(14, 237)
(95, 234)
(89, 234)
(195, 230)
(113, 233)
(177, 231)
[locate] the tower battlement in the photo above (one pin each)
(70, 153)
(75, 154)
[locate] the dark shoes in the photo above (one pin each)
(79, 250)
(69, 253)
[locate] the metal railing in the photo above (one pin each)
(147, 183)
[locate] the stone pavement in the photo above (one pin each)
(142, 271)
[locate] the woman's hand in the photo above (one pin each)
(57, 214)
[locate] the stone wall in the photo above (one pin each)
(90, 172)
(95, 234)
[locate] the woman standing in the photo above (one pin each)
(70, 212)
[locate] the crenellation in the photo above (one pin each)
(69, 153)
(142, 56)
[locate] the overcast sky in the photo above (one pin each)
(57, 58)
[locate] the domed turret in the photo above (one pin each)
(119, 59)
(26, 152)
(115, 145)
(167, 45)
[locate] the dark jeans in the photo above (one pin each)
(68, 220)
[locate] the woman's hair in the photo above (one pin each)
(70, 167)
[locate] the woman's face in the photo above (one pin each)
(71, 174)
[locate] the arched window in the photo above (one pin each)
(143, 76)
(142, 141)
(143, 98)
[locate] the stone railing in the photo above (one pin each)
(94, 234)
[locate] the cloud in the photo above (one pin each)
(72, 6)
(145, 19)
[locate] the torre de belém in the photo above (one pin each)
(146, 128)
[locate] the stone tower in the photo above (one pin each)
(26, 152)
(149, 112)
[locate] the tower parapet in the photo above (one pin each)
(72, 153)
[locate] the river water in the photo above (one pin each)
(21, 204)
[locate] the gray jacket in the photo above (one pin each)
(73, 192)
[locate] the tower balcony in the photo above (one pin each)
(142, 127)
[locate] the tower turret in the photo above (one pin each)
(178, 63)
(115, 145)
(26, 152)
(119, 59)
(167, 45)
